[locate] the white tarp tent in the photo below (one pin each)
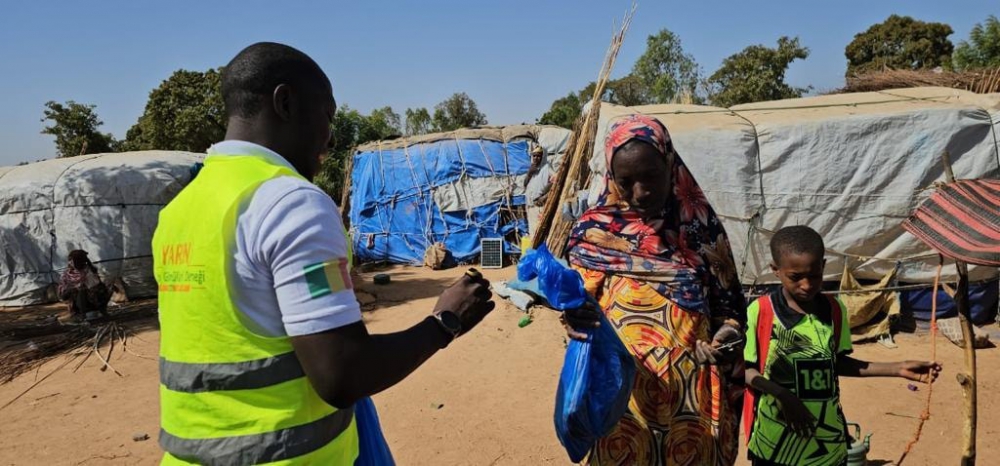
(106, 204)
(851, 166)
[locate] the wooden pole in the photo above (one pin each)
(345, 193)
(966, 379)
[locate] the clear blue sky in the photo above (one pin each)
(512, 57)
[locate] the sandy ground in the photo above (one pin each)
(486, 400)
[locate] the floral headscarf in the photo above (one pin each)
(684, 255)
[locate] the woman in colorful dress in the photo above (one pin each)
(657, 259)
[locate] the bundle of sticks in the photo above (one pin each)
(573, 176)
(29, 343)
(983, 81)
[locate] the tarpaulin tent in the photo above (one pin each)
(106, 204)
(454, 188)
(851, 166)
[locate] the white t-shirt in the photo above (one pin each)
(289, 228)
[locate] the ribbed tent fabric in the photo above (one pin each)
(851, 166)
(961, 221)
(105, 204)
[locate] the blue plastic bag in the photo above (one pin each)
(597, 374)
(374, 451)
(561, 287)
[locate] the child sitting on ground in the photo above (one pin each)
(798, 341)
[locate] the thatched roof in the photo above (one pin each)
(979, 81)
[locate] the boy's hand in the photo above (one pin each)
(796, 415)
(920, 371)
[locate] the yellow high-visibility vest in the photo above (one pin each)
(229, 396)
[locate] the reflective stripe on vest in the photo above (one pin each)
(260, 448)
(246, 375)
(228, 395)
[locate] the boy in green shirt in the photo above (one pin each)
(796, 418)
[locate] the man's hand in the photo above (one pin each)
(575, 320)
(920, 371)
(469, 298)
(796, 415)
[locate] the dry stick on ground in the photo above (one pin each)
(967, 379)
(574, 172)
(124, 341)
(97, 349)
(18, 397)
(85, 358)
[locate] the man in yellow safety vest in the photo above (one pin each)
(263, 352)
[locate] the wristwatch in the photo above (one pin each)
(449, 322)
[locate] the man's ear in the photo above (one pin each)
(774, 268)
(281, 100)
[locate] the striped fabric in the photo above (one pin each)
(962, 221)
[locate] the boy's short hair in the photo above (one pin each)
(798, 239)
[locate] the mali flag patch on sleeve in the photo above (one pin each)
(328, 277)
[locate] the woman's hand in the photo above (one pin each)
(704, 353)
(575, 320)
(726, 346)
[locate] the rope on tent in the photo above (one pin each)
(926, 414)
(462, 176)
(428, 233)
(753, 227)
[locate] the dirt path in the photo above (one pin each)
(486, 400)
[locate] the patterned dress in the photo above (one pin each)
(680, 413)
(664, 283)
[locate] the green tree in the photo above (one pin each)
(418, 121)
(900, 42)
(185, 112)
(382, 123)
(75, 127)
(629, 91)
(563, 112)
(667, 73)
(350, 129)
(457, 111)
(982, 50)
(756, 74)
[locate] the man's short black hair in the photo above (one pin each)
(796, 240)
(253, 74)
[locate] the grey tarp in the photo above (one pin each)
(106, 204)
(851, 166)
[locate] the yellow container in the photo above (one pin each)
(525, 245)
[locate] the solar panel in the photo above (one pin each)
(492, 255)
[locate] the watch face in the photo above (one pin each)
(450, 320)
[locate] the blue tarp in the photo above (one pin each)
(982, 303)
(393, 214)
